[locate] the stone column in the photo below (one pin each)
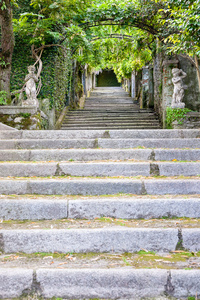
(145, 87)
(133, 86)
(150, 103)
(86, 80)
(128, 85)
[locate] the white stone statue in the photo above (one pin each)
(30, 88)
(178, 95)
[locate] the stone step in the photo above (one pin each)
(148, 143)
(98, 143)
(116, 127)
(82, 207)
(96, 169)
(106, 106)
(115, 111)
(102, 223)
(107, 117)
(110, 100)
(119, 103)
(111, 118)
(100, 186)
(100, 154)
(105, 126)
(93, 134)
(112, 113)
(100, 283)
(124, 261)
(110, 122)
(117, 239)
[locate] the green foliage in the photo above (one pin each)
(75, 24)
(25, 115)
(175, 114)
(3, 64)
(183, 18)
(62, 76)
(3, 97)
(2, 5)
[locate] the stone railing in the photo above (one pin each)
(20, 117)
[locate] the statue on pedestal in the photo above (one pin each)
(30, 88)
(178, 94)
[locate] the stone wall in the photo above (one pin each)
(192, 93)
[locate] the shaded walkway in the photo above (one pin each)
(110, 108)
(107, 79)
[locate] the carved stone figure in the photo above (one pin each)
(30, 88)
(178, 95)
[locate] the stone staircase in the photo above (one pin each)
(110, 108)
(98, 214)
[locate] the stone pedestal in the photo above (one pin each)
(178, 105)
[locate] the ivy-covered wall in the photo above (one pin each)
(56, 73)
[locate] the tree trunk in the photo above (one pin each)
(7, 45)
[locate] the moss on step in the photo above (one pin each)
(101, 223)
(140, 260)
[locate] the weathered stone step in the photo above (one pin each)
(93, 126)
(116, 127)
(112, 115)
(101, 143)
(116, 134)
(123, 103)
(149, 143)
(108, 119)
(91, 134)
(110, 100)
(113, 239)
(47, 143)
(100, 154)
(43, 169)
(105, 186)
(69, 117)
(111, 122)
(107, 106)
(115, 111)
(98, 105)
(101, 223)
(120, 207)
(107, 116)
(142, 259)
(100, 283)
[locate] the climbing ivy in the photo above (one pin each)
(175, 114)
(3, 97)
